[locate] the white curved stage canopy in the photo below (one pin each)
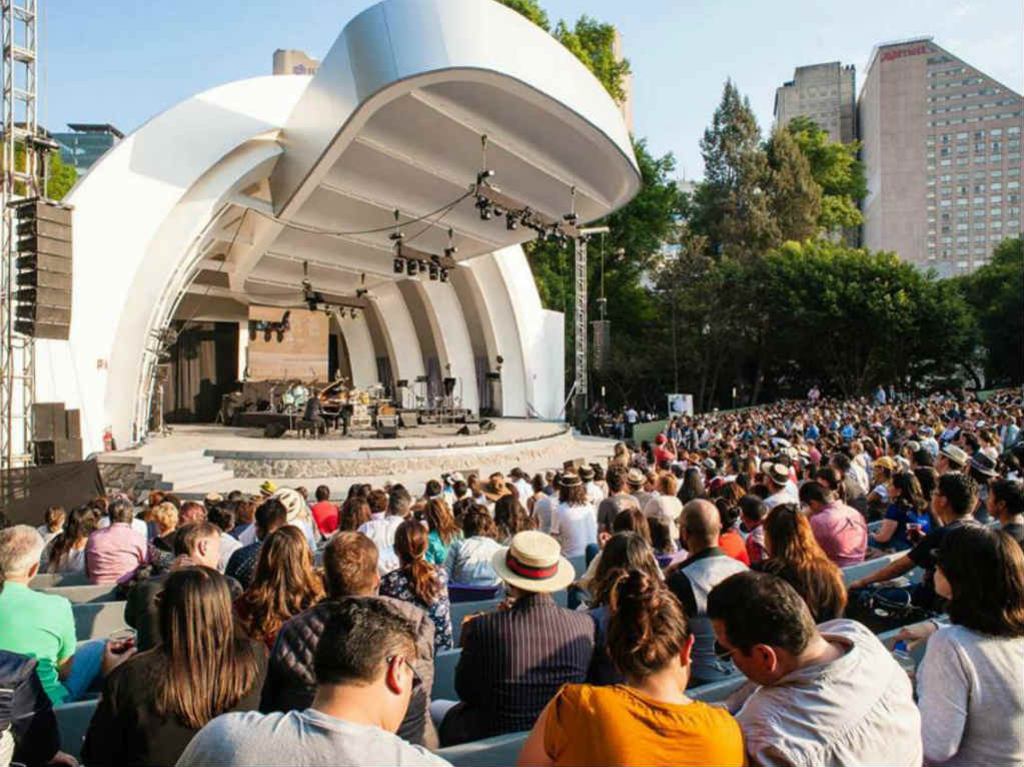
(217, 204)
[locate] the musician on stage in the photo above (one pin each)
(314, 414)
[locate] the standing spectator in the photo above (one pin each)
(839, 529)
(906, 517)
(574, 523)
(649, 719)
(386, 514)
(365, 683)
(618, 498)
(969, 683)
(325, 513)
(514, 660)
(270, 516)
(443, 530)
(283, 585)
(350, 572)
(469, 558)
(114, 553)
(1006, 504)
(830, 694)
(795, 556)
(692, 581)
(40, 625)
(53, 523)
(65, 554)
(156, 701)
(419, 582)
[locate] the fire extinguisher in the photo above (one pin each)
(108, 439)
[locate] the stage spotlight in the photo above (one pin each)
(433, 272)
(498, 211)
(444, 275)
(511, 222)
(411, 268)
(399, 266)
(353, 314)
(423, 267)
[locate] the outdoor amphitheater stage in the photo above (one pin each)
(195, 459)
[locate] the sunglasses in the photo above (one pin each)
(417, 680)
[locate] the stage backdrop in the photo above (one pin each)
(302, 352)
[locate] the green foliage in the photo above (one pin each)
(836, 169)
(995, 293)
(530, 9)
(62, 177)
(794, 195)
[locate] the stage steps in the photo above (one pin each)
(190, 470)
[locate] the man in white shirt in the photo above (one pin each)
(386, 516)
(522, 484)
(781, 490)
(595, 494)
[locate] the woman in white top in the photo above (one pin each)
(53, 526)
(574, 522)
(66, 552)
(971, 681)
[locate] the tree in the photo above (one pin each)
(794, 195)
(837, 170)
(731, 207)
(995, 293)
(530, 9)
(62, 177)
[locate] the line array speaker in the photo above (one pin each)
(43, 280)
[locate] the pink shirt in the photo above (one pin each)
(842, 532)
(114, 553)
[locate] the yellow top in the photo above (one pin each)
(616, 725)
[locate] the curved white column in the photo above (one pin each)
(361, 357)
(451, 327)
(405, 346)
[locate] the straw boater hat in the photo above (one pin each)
(586, 473)
(533, 563)
(294, 504)
(635, 477)
(955, 455)
(569, 480)
(776, 472)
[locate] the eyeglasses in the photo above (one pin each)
(417, 680)
(722, 652)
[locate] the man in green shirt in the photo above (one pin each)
(42, 626)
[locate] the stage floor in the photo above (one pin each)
(199, 458)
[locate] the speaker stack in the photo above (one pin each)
(56, 433)
(43, 280)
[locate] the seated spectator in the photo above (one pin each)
(595, 493)
(630, 520)
(355, 512)
(1006, 504)
(103, 506)
(270, 516)
(443, 530)
(156, 701)
(195, 545)
(663, 505)
(648, 719)
(730, 541)
(469, 557)
(830, 694)
(969, 688)
(222, 515)
(574, 522)
(514, 660)
(192, 512)
(53, 523)
(510, 518)
(953, 499)
(386, 514)
(350, 570)
(115, 552)
(625, 552)
(298, 514)
(906, 518)
(40, 625)
(245, 516)
(65, 554)
(283, 585)
(419, 582)
(840, 530)
(780, 487)
(325, 513)
(692, 581)
(28, 726)
(752, 514)
(165, 517)
(365, 684)
(796, 557)
(618, 498)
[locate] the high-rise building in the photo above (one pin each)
(825, 93)
(86, 143)
(942, 154)
(290, 62)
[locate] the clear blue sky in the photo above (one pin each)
(121, 61)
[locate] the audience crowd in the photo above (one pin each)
(284, 630)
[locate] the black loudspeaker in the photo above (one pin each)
(449, 386)
(387, 426)
(43, 277)
(48, 422)
(73, 423)
(476, 428)
(275, 430)
(486, 426)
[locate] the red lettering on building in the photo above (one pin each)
(902, 53)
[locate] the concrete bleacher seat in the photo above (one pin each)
(78, 595)
(869, 566)
(98, 620)
(72, 722)
(461, 609)
(491, 752)
(48, 580)
(444, 675)
(717, 691)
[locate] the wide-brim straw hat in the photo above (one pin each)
(533, 562)
(569, 480)
(293, 503)
(955, 455)
(635, 477)
(778, 473)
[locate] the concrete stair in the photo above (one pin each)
(190, 470)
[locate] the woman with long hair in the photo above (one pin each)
(355, 511)
(621, 456)
(419, 582)
(154, 702)
(692, 486)
(574, 521)
(443, 530)
(648, 719)
(66, 553)
(469, 557)
(795, 556)
(906, 517)
(283, 585)
(510, 518)
(969, 683)
(729, 540)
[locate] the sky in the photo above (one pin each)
(123, 61)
